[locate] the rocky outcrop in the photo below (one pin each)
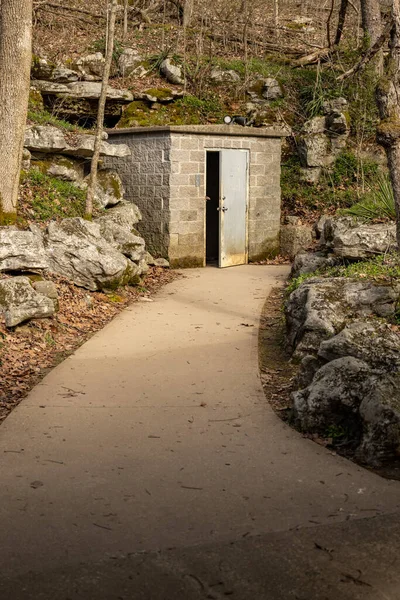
(77, 250)
(172, 73)
(78, 101)
(130, 62)
(352, 239)
(51, 140)
(91, 66)
(117, 228)
(21, 250)
(320, 308)
(264, 90)
(309, 262)
(349, 378)
(109, 189)
(323, 138)
(218, 75)
(19, 301)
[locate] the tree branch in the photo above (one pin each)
(369, 55)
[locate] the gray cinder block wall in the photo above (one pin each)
(165, 177)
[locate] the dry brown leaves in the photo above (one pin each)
(29, 351)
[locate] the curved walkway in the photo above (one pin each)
(156, 434)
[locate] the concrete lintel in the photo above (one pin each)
(225, 130)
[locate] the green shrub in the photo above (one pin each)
(378, 203)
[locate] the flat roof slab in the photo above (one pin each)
(225, 130)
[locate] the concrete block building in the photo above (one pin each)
(208, 194)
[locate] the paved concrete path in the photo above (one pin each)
(156, 434)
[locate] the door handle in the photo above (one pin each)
(224, 208)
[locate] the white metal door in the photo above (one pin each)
(233, 207)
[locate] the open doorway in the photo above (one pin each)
(212, 205)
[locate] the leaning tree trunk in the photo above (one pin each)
(101, 110)
(388, 100)
(15, 65)
(372, 27)
(342, 18)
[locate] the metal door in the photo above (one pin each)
(233, 207)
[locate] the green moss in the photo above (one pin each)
(110, 179)
(7, 218)
(35, 101)
(187, 111)
(159, 93)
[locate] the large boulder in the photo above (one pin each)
(129, 62)
(91, 66)
(265, 90)
(360, 403)
(77, 250)
(218, 75)
(122, 238)
(109, 189)
(373, 342)
(334, 395)
(309, 262)
(62, 167)
(319, 308)
(380, 415)
(19, 301)
(352, 239)
(21, 250)
(125, 215)
(172, 73)
(78, 101)
(51, 140)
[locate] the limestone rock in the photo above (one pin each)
(109, 189)
(148, 258)
(370, 341)
(20, 302)
(129, 61)
(21, 250)
(334, 396)
(219, 75)
(125, 214)
(41, 68)
(172, 73)
(309, 262)
(64, 168)
(63, 75)
(91, 66)
(265, 90)
(295, 238)
(161, 262)
(89, 90)
(321, 307)
(48, 139)
(121, 238)
(77, 250)
(26, 160)
(349, 238)
(48, 289)
(380, 415)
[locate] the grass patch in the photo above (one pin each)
(339, 187)
(384, 268)
(43, 117)
(45, 198)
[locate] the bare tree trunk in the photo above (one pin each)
(276, 18)
(372, 27)
(342, 17)
(125, 31)
(388, 100)
(15, 65)
(187, 12)
(101, 110)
